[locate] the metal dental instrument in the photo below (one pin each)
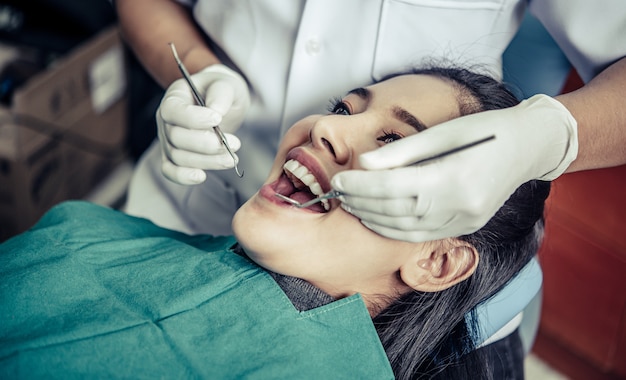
(335, 193)
(329, 195)
(200, 101)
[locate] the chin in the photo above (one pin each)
(240, 223)
(250, 226)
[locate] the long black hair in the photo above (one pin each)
(426, 333)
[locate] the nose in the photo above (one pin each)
(330, 135)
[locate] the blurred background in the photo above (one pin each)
(77, 111)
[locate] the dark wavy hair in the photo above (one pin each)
(427, 335)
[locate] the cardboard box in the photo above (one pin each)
(30, 186)
(65, 131)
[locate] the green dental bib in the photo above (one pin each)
(106, 295)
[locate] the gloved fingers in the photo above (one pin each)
(227, 93)
(192, 160)
(402, 223)
(207, 159)
(415, 236)
(199, 141)
(457, 177)
(391, 183)
(393, 207)
(220, 96)
(179, 108)
(181, 175)
(445, 137)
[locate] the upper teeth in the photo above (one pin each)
(303, 174)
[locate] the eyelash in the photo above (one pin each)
(389, 136)
(336, 104)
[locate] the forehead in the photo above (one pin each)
(432, 99)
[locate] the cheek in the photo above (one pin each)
(349, 243)
(365, 250)
(329, 249)
(276, 239)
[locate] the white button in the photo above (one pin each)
(312, 46)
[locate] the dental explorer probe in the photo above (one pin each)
(335, 193)
(200, 100)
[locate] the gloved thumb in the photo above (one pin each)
(220, 98)
(227, 94)
(370, 183)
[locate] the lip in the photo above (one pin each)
(301, 155)
(304, 157)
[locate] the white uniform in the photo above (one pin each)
(297, 54)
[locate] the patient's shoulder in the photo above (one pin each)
(80, 213)
(71, 208)
(86, 221)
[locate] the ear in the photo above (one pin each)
(446, 265)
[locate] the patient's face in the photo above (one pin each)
(331, 248)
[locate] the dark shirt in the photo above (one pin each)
(302, 294)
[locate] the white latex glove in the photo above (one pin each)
(458, 194)
(189, 144)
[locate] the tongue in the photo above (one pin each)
(305, 196)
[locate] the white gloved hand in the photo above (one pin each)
(189, 144)
(458, 194)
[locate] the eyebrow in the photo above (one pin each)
(398, 112)
(408, 118)
(362, 93)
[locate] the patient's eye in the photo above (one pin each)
(389, 137)
(338, 107)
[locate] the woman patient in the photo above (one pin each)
(304, 293)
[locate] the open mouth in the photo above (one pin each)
(299, 184)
